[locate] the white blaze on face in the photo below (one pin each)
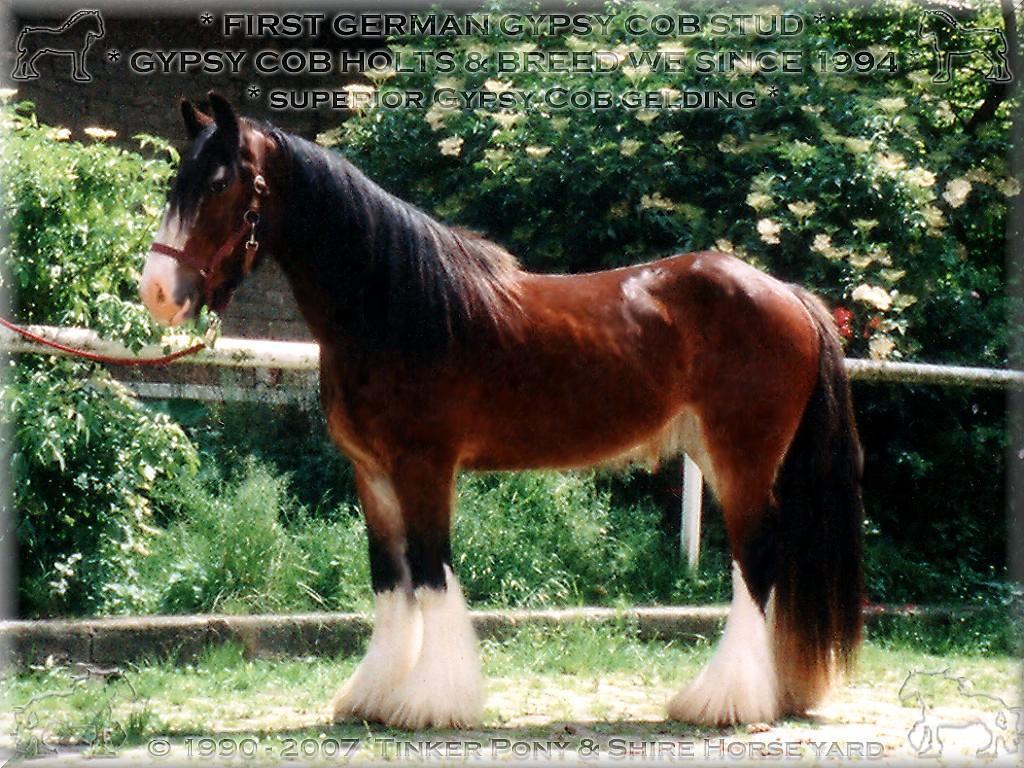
(162, 286)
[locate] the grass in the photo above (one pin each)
(599, 680)
(245, 542)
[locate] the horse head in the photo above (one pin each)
(927, 33)
(915, 691)
(98, 30)
(207, 242)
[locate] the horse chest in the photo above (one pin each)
(373, 414)
(341, 403)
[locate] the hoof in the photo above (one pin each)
(445, 687)
(422, 669)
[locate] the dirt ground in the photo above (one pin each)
(611, 718)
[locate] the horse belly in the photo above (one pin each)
(586, 415)
(609, 439)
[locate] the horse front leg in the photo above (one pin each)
(444, 689)
(397, 627)
(78, 70)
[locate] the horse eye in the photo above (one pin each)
(218, 185)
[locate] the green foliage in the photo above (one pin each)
(229, 550)
(292, 440)
(863, 187)
(989, 631)
(80, 216)
(85, 456)
(535, 539)
(548, 538)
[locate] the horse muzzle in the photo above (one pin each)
(170, 290)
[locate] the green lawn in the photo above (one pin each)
(572, 687)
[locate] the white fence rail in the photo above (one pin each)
(304, 356)
(299, 356)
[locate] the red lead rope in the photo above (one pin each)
(95, 357)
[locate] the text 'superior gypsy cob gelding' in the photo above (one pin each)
(438, 353)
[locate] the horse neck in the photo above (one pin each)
(372, 270)
(80, 18)
(319, 238)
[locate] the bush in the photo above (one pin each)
(534, 539)
(229, 550)
(292, 440)
(547, 538)
(87, 457)
(84, 456)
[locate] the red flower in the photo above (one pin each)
(843, 317)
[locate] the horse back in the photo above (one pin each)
(630, 361)
(589, 369)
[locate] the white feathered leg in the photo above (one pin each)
(739, 684)
(445, 687)
(394, 647)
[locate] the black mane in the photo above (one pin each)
(389, 275)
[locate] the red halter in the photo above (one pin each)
(207, 269)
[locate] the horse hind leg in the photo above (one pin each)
(789, 482)
(1001, 68)
(397, 628)
(738, 684)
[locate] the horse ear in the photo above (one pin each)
(225, 117)
(195, 120)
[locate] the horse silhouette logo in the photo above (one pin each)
(949, 38)
(975, 721)
(38, 736)
(72, 38)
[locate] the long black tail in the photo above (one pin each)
(819, 580)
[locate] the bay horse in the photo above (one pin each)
(438, 353)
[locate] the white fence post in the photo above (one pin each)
(689, 528)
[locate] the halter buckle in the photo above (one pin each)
(252, 218)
